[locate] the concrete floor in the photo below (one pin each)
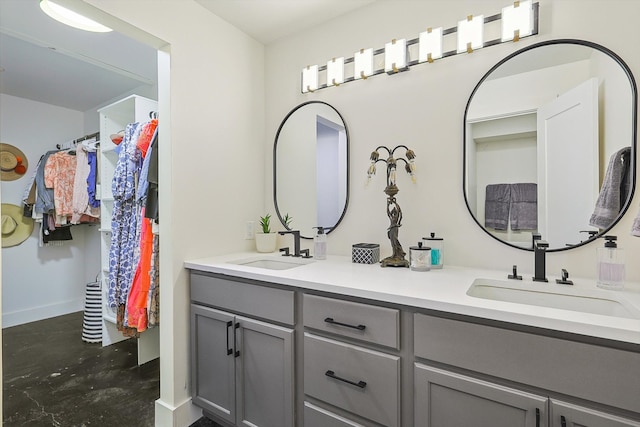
(53, 378)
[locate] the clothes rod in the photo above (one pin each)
(95, 135)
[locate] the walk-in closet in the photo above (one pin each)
(72, 117)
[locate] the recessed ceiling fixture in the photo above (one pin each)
(71, 18)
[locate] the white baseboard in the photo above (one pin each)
(182, 415)
(33, 314)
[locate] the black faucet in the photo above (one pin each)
(296, 240)
(539, 252)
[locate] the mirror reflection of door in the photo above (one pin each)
(331, 182)
(568, 142)
(551, 115)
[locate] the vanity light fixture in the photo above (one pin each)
(430, 45)
(309, 78)
(470, 33)
(517, 21)
(395, 56)
(335, 72)
(71, 18)
(363, 64)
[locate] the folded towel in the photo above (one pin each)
(496, 206)
(614, 187)
(524, 206)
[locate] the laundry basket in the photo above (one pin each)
(92, 323)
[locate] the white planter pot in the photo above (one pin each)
(266, 242)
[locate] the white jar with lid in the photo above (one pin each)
(420, 257)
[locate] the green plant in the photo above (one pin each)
(265, 223)
(287, 221)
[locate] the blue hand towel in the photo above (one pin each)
(614, 188)
(496, 206)
(524, 206)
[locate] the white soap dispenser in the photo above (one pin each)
(611, 270)
(320, 244)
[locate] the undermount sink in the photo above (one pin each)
(594, 301)
(273, 263)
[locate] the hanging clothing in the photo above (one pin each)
(138, 295)
(146, 135)
(92, 179)
(151, 201)
(153, 303)
(44, 195)
(59, 174)
(80, 198)
(124, 223)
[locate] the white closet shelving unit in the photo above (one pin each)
(114, 118)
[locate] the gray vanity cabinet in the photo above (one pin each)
(568, 415)
(242, 368)
(550, 365)
(445, 399)
(343, 365)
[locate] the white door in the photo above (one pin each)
(568, 164)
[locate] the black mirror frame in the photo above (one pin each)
(634, 119)
(275, 175)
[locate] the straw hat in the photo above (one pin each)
(15, 227)
(13, 162)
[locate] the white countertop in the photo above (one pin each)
(442, 290)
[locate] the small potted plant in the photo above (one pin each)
(287, 221)
(266, 241)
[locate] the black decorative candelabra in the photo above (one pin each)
(393, 208)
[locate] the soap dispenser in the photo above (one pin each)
(320, 244)
(611, 270)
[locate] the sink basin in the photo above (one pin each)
(273, 263)
(550, 295)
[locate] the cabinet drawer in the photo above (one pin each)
(318, 417)
(353, 378)
(378, 325)
(239, 297)
(586, 371)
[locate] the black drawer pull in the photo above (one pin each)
(333, 375)
(229, 349)
(563, 421)
(235, 344)
(537, 417)
(333, 322)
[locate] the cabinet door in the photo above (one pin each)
(568, 415)
(212, 361)
(446, 399)
(264, 374)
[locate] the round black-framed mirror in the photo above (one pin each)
(311, 168)
(517, 178)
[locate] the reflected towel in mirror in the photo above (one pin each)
(614, 191)
(524, 206)
(496, 206)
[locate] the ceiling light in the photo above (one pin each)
(71, 18)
